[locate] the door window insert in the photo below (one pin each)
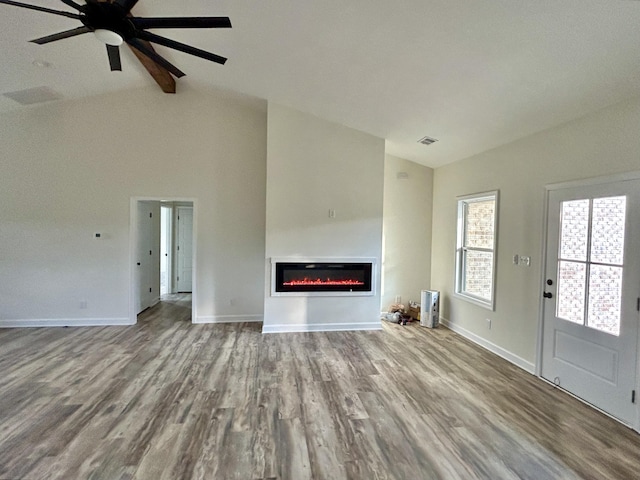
(590, 262)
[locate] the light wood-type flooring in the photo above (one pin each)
(166, 399)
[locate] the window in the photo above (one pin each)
(476, 248)
(590, 262)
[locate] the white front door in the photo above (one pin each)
(185, 249)
(592, 285)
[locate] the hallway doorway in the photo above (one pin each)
(162, 253)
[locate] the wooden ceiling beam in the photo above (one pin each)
(160, 74)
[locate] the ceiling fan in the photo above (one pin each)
(112, 23)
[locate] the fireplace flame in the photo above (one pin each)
(320, 281)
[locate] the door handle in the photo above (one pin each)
(547, 295)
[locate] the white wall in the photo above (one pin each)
(313, 166)
(603, 143)
(70, 168)
(407, 230)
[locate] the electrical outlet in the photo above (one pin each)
(83, 304)
(398, 298)
(489, 323)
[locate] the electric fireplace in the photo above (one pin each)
(323, 277)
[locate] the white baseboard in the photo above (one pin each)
(65, 322)
(492, 347)
(321, 327)
(228, 319)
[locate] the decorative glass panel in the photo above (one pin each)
(605, 293)
(607, 234)
(571, 291)
(478, 274)
(575, 230)
(479, 224)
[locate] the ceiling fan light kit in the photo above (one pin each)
(113, 24)
(108, 37)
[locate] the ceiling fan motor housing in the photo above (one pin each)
(108, 16)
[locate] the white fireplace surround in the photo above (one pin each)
(371, 260)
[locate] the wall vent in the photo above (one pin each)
(427, 140)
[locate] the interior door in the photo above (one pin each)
(147, 268)
(592, 284)
(185, 249)
(165, 249)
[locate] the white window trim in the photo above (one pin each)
(461, 200)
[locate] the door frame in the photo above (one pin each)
(133, 237)
(586, 182)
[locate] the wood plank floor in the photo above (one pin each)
(165, 399)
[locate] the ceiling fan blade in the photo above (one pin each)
(141, 47)
(152, 37)
(42, 9)
(114, 58)
(73, 4)
(181, 22)
(160, 75)
(59, 36)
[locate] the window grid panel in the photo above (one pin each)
(605, 296)
(479, 224)
(478, 273)
(607, 230)
(574, 230)
(571, 291)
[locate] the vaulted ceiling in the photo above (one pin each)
(472, 74)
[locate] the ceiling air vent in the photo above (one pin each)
(427, 140)
(33, 95)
